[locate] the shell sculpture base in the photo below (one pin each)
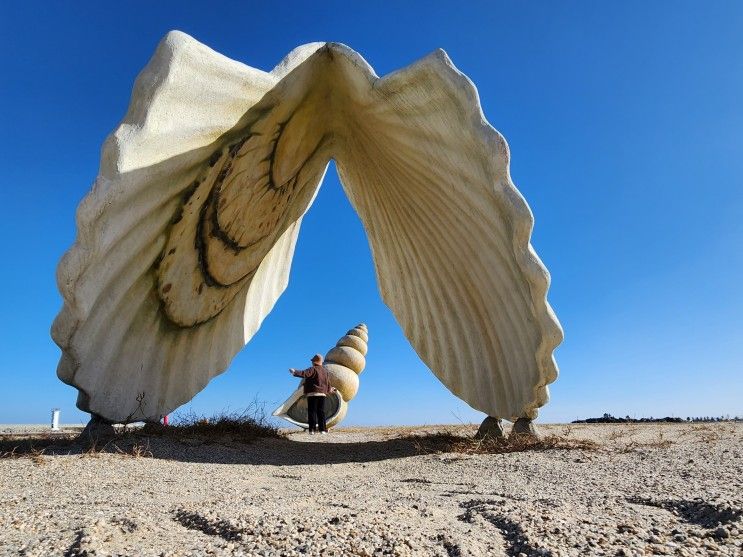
(186, 240)
(524, 426)
(344, 363)
(490, 427)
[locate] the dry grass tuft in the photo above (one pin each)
(446, 442)
(633, 446)
(38, 447)
(136, 450)
(243, 427)
(37, 456)
(35, 446)
(661, 442)
(131, 449)
(708, 433)
(618, 433)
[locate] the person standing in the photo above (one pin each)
(316, 388)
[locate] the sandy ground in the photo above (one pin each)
(648, 490)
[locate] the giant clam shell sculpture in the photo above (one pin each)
(186, 240)
(344, 362)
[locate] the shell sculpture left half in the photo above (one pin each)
(186, 240)
(344, 362)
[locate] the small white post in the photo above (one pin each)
(55, 419)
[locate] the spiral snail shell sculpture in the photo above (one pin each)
(185, 242)
(344, 362)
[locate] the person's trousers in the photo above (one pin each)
(316, 413)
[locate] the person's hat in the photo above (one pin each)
(316, 358)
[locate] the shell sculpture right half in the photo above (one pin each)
(344, 362)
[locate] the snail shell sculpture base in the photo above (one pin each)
(185, 242)
(344, 363)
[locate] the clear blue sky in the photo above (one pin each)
(625, 121)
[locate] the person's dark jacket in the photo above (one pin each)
(315, 379)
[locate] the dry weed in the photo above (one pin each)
(618, 433)
(660, 443)
(136, 450)
(245, 427)
(708, 433)
(446, 442)
(36, 456)
(114, 446)
(93, 451)
(34, 446)
(140, 451)
(710, 436)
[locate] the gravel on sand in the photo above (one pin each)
(648, 489)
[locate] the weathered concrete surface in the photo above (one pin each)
(524, 426)
(490, 427)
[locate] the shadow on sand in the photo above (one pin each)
(280, 451)
(286, 452)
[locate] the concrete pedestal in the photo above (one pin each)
(524, 426)
(490, 427)
(98, 431)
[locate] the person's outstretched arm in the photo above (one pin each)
(303, 373)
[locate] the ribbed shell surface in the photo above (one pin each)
(171, 273)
